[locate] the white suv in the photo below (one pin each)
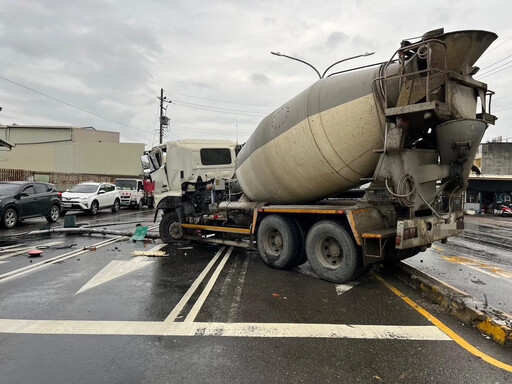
(91, 197)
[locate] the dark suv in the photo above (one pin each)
(24, 199)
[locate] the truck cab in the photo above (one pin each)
(182, 170)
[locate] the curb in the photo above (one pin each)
(488, 320)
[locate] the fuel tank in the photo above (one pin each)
(320, 142)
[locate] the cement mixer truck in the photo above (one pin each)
(408, 128)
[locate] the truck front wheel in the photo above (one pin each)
(170, 227)
(280, 243)
(332, 252)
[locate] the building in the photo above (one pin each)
(66, 155)
(492, 185)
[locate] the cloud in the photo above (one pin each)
(112, 57)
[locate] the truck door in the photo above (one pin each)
(157, 171)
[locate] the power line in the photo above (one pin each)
(500, 44)
(498, 71)
(217, 109)
(70, 105)
(220, 101)
(488, 68)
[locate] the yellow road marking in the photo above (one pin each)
(448, 331)
(488, 269)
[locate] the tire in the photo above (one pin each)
(94, 208)
(10, 218)
(332, 252)
(170, 228)
(151, 202)
(54, 214)
(139, 204)
(116, 206)
(280, 242)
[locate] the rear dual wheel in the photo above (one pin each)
(332, 252)
(280, 242)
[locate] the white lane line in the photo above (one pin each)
(115, 269)
(206, 291)
(23, 250)
(33, 267)
(267, 330)
(235, 304)
(342, 288)
(179, 307)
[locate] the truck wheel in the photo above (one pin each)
(280, 243)
(170, 228)
(94, 208)
(54, 214)
(10, 218)
(332, 252)
(151, 202)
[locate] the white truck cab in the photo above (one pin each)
(178, 167)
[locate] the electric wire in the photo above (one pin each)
(218, 109)
(489, 67)
(220, 101)
(71, 105)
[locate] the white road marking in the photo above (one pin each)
(115, 269)
(179, 307)
(33, 267)
(206, 291)
(235, 304)
(342, 288)
(267, 330)
(1, 262)
(23, 250)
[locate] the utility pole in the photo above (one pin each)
(161, 114)
(164, 120)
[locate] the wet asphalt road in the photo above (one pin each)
(106, 316)
(479, 262)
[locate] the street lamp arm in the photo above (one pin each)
(302, 61)
(341, 61)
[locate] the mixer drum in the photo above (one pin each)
(320, 142)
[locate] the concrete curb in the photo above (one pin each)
(488, 320)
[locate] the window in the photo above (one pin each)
(215, 156)
(29, 190)
(40, 188)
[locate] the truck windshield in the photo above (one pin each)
(84, 188)
(126, 184)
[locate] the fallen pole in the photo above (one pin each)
(90, 231)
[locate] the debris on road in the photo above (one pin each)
(150, 253)
(35, 253)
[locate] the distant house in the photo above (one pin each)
(493, 184)
(66, 155)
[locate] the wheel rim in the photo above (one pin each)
(330, 252)
(94, 208)
(274, 242)
(175, 230)
(10, 218)
(54, 213)
(116, 205)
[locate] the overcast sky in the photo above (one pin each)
(212, 58)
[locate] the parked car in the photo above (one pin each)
(21, 200)
(91, 197)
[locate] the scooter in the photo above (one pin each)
(504, 210)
